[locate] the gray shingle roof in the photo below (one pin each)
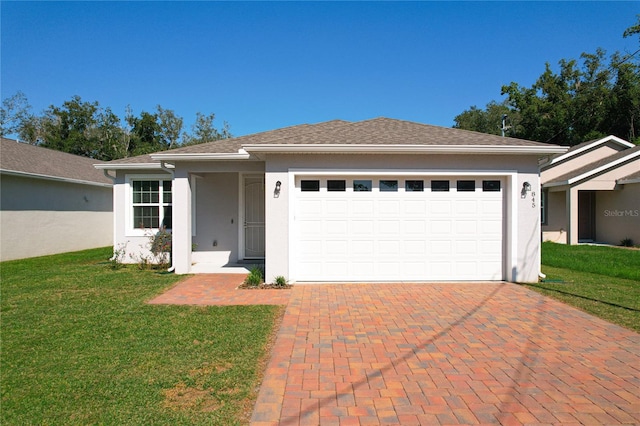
(593, 166)
(377, 131)
(22, 158)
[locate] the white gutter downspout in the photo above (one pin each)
(171, 172)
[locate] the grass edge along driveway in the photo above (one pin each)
(600, 280)
(80, 345)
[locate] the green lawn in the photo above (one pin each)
(604, 281)
(81, 346)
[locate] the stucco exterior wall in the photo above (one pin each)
(556, 228)
(618, 214)
(41, 217)
(521, 218)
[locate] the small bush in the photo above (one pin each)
(627, 242)
(254, 278)
(280, 281)
(116, 261)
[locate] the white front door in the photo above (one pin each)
(253, 217)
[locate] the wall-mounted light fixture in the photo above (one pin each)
(526, 187)
(276, 192)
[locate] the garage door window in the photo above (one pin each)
(336, 185)
(310, 185)
(439, 186)
(362, 186)
(466, 185)
(414, 186)
(388, 186)
(491, 185)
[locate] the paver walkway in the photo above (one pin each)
(436, 354)
(219, 289)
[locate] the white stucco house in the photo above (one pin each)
(591, 193)
(376, 200)
(51, 202)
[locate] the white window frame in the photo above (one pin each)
(131, 230)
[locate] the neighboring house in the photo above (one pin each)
(375, 200)
(592, 193)
(51, 202)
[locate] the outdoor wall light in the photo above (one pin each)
(526, 187)
(276, 192)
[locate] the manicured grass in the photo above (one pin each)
(610, 261)
(603, 281)
(81, 346)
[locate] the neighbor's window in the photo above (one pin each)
(310, 185)
(336, 185)
(362, 185)
(414, 185)
(466, 185)
(439, 186)
(388, 186)
(151, 203)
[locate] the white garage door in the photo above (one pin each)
(398, 228)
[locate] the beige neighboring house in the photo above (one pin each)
(591, 193)
(51, 202)
(375, 200)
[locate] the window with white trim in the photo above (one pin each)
(151, 203)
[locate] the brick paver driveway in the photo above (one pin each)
(433, 354)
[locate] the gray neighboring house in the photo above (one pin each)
(51, 202)
(375, 200)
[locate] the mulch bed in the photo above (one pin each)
(264, 286)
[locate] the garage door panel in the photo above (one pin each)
(362, 207)
(398, 236)
(389, 227)
(466, 207)
(415, 207)
(334, 208)
(389, 208)
(361, 227)
(334, 248)
(336, 227)
(441, 208)
(466, 227)
(390, 247)
(441, 227)
(307, 206)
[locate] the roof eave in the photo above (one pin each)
(201, 156)
(404, 149)
(53, 178)
(595, 143)
(128, 166)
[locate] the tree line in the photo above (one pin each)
(585, 99)
(90, 130)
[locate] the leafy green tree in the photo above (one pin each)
(170, 127)
(203, 130)
(487, 120)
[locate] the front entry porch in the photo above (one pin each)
(219, 222)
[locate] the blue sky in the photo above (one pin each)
(266, 65)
